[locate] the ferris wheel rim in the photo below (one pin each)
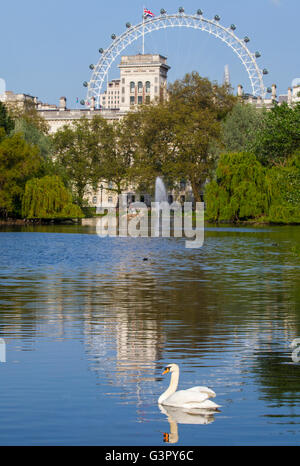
(147, 26)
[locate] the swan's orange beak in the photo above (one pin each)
(167, 369)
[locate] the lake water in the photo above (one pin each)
(89, 326)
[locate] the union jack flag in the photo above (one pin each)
(148, 13)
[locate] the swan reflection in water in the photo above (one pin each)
(190, 406)
(183, 416)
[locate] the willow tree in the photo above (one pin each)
(48, 198)
(239, 190)
(284, 189)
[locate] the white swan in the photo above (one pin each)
(192, 398)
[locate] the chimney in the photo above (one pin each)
(274, 87)
(240, 90)
(62, 104)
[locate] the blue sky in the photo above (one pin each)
(47, 46)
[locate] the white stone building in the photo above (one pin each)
(143, 80)
(110, 99)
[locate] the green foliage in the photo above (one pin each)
(279, 137)
(30, 115)
(240, 128)
(284, 188)
(77, 152)
(33, 135)
(19, 162)
(6, 122)
(238, 191)
(115, 151)
(47, 198)
(175, 138)
(243, 189)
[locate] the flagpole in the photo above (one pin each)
(143, 49)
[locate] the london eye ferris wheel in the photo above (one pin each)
(180, 19)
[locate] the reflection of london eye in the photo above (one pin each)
(180, 19)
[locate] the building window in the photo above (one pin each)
(95, 200)
(140, 99)
(140, 86)
(110, 199)
(148, 85)
(123, 100)
(132, 86)
(156, 90)
(131, 100)
(147, 99)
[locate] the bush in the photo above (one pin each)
(47, 198)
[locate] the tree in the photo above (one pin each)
(19, 161)
(48, 198)
(77, 153)
(31, 116)
(153, 144)
(6, 122)
(178, 138)
(240, 127)
(239, 190)
(115, 148)
(279, 137)
(33, 135)
(284, 191)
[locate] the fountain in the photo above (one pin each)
(161, 197)
(160, 191)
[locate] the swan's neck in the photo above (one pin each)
(172, 387)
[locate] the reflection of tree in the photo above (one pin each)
(278, 377)
(17, 320)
